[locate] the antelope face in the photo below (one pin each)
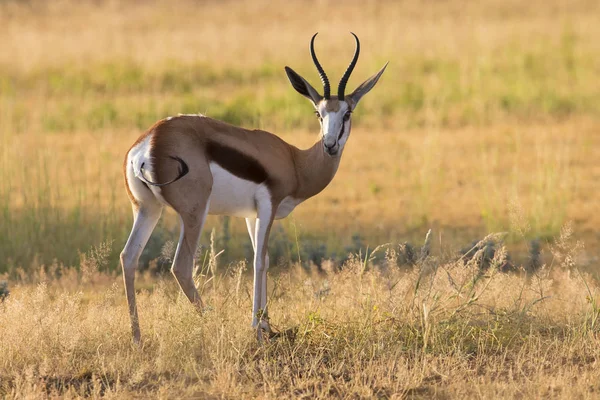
(333, 112)
(334, 117)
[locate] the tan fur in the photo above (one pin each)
(332, 105)
(289, 171)
(267, 172)
(292, 172)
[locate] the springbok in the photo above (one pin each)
(199, 166)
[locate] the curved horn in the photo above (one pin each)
(322, 73)
(344, 80)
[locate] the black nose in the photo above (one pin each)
(330, 149)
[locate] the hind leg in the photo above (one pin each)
(189, 197)
(144, 220)
(183, 264)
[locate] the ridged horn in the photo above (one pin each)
(322, 74)
(344, 80)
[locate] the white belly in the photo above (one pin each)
(240, 198)
(232, 195)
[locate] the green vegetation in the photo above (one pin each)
(518, 82)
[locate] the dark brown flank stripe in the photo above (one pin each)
(237, 163)
(228, 158)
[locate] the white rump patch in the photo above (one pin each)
(138, 155)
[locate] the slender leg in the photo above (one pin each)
(263, 298)
(183, 264)
(251, 225)
(145, 219)
(261, 234)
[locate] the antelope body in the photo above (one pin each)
(199, 166)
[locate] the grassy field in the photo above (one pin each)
(438, 329)
(486, 120)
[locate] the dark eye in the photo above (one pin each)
(318, 116)
(347, 115)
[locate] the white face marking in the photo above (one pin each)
(331, 126)
(234, 196)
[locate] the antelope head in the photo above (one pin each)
(334, 112)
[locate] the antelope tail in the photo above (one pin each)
(183, 170)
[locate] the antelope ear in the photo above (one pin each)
(303, 87)
(365, 87)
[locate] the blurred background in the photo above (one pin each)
(486, 120)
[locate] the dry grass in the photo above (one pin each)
(439, 329)
(486, 120)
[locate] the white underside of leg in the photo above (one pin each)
(265, 209)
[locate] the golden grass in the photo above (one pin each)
(439, 329)
(391, 186)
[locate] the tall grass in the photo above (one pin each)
(443, 327)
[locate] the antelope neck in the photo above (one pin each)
(314, 170)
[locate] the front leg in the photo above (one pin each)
(261, 239)
(251, 225)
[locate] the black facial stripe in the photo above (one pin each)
(341, 132)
